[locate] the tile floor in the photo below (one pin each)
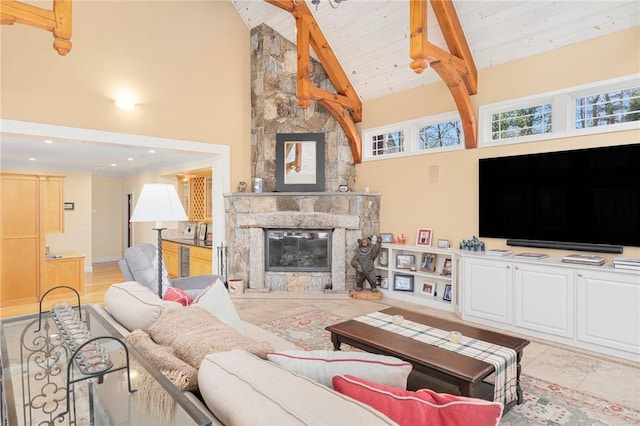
(607, 377)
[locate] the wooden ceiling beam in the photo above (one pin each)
(456, 67)
(57, 21)
(345, 105)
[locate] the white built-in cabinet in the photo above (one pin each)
(430, 273)
(591, 307)
(609, 309)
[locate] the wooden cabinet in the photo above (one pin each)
(31, 206)
(67, 270)
(195, 193)
(608, 313)
(433, 277)
(200, 263)
(171, 258)
(53, 204)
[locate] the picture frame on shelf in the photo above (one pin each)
(428, 262)
(405, 261)
(383, 258)
(403, 282)
(300, 162)
(384, 282)
(446, 296)
(444, 243)
(446, 267)
(423, 238)
(386, 238)
(209, 240)
(428, 289)
(202, 231)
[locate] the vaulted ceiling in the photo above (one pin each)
(371, 37)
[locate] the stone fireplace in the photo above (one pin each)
(348, 216)
(343, 216)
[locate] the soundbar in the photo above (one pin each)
(600, 248)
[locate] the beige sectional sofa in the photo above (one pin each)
(236, 383)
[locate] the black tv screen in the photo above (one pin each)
(585, 196)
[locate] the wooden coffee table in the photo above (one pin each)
(464, 372)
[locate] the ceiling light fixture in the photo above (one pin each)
(125, 101)
(48, 141)
(334, 3)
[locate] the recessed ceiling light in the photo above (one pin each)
(152, 151)
(130, 159)
(125, 101)
(114, 165)
(48, 141)
(32, 159)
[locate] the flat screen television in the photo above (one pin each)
(585, 199)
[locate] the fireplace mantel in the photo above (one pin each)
(350, 215)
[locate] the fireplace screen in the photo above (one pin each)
(289, 250)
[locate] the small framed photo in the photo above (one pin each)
(384, 282)
(69, 205)
(405, 261)
(403, 282)
(202, 231)
(446, 267)
(209, 240)
(447, 293)
(443, 244)
(428, 289)
(428, 262)
(387, 238)
(424, 237)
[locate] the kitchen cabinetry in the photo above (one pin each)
(171, 258)
(200, 261)
(54, 202)
(195, 193)
(431, 271)
(31, 206)
(66, 270)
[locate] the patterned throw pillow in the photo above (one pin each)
(422, 407)
(174, 294)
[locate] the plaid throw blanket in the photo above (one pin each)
(503, 359)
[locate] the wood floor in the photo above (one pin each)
(96, 284)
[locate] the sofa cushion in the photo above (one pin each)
(421, 407)
(321, 366)
(217, 301)
(177, 295)
(134, 305)
(242, 389)
(193, 333)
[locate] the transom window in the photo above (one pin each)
(423, 135)
(521, 122)
(605, 109)
(605, 106)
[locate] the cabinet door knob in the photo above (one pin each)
(517, 268)
(508, 266)
(579, 274)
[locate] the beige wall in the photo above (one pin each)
(106, 216)
(439, 191)
(188, 61)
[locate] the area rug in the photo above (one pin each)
(545, 403)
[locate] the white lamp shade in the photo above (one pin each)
(158, 202)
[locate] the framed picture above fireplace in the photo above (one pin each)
(300, 162)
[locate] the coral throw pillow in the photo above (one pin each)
(422, 407)
(174, 294)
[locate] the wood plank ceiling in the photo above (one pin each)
(370, 38)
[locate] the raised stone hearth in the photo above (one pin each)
(350, 215)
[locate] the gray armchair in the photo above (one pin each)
(140, 264)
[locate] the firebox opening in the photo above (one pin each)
(288, 250)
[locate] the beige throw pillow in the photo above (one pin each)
(134, 305)
(192, 333)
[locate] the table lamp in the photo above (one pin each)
(158, 202)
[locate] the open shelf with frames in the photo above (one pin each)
(418, 274)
